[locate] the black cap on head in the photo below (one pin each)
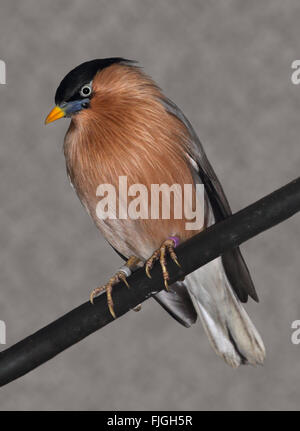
(69, 87)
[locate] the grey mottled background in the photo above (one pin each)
(228, 66)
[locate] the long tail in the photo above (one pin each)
(228, 326)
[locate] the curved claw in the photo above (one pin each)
(92, 298)
(110, 302)
(95, 292)
(111, 310)
(122, 276)
(160, 255)
(173, 254)
(108, 288)
(147, 270)
(176, 261)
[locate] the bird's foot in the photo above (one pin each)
(160, 254)
(121, 275)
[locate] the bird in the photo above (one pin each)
(123, 125)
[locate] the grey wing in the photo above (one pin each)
(178, 304)
(233, 261)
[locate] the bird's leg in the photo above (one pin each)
(167, 246)
(121, 275)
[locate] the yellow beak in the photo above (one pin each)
(55, 114)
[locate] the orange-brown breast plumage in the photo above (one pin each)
(127, 132)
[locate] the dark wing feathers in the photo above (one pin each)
(178, 304)
(233, 261)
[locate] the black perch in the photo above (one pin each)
(194, 253)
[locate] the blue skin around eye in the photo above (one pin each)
(74, 106)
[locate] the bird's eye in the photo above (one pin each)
(86, 90)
